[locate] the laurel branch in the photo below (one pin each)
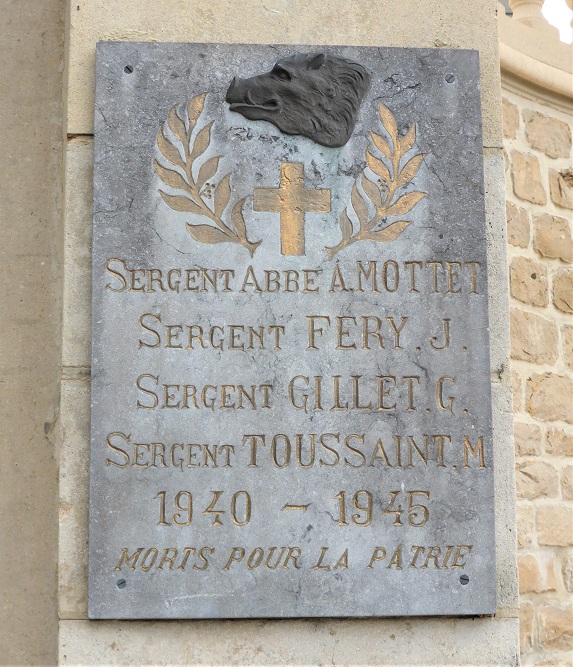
(204, 193)
(380, 194)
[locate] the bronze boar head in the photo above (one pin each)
(315, 95)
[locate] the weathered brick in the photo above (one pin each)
(547, 134)
(525, 525)
(528, 281)
(559, 660)
(552, 237)
(527, 439)
(526, 618)
(536, 479)
(517, 225)
(533, 338)
(536, 573)
(567, 572)
(561, 187)
(567, 338)
(556, 626)
(559, 443)
(549, 397)
(506, 164)
(526, 178)
(567, 483)
(563, 290)
(517, 391)
(554, 524)
(510, 116)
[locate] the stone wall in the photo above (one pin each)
(31, 140)
(539, 184)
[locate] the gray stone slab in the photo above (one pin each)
(322, 403)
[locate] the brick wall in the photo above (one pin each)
(539, 187)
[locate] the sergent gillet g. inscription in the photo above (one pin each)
(291, 410)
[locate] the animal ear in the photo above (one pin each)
(316, 61)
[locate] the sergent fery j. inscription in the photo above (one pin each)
(290, 383)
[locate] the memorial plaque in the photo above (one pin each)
(291, 411)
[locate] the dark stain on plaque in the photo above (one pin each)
(315, 95)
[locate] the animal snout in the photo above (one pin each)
(236, 91)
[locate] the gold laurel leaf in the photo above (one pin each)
(410, 169)
(404, 204)
(381, 144)
(177, 126)
(345, 225)
(182, 204)
(207, 234)
(372, 191)
(390, 233)
(201, 142)
(237, 219)
(194, 109)
(359, 205)
(389, 123)
(408, 140)
(168, 150)
(378, 167)
(170, 177)
(222, 195)
(208, 170)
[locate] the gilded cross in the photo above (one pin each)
(292, 201)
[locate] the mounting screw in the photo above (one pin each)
(450, 78)
(121, 583)
(128, 69)
(464, 579)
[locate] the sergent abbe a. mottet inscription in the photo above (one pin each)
(291, 384)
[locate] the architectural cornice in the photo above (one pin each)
(536, 65)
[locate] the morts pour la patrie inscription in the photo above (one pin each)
(290, 386)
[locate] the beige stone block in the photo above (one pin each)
(550, 135)
(567, 342)
(536, 573)
(559, 442)
(76, 325)
(533, 338)
(268, 643)
(561, 188)
(550, 397)
(74, 475)
(526, 628)
(517, 225)
(510, 116)
(31, 168)
(563, 290)
(498, 306)
(525, 525)
(527, 439)
(561, 659)
(536, 479)
(567, 483)
(517, 391)
(526, 178)
(552, 237)
(507, 585)
(556, 626)
(528, 281)
(554, 524)
(567, 572)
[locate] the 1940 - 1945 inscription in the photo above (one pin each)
(290, 384)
